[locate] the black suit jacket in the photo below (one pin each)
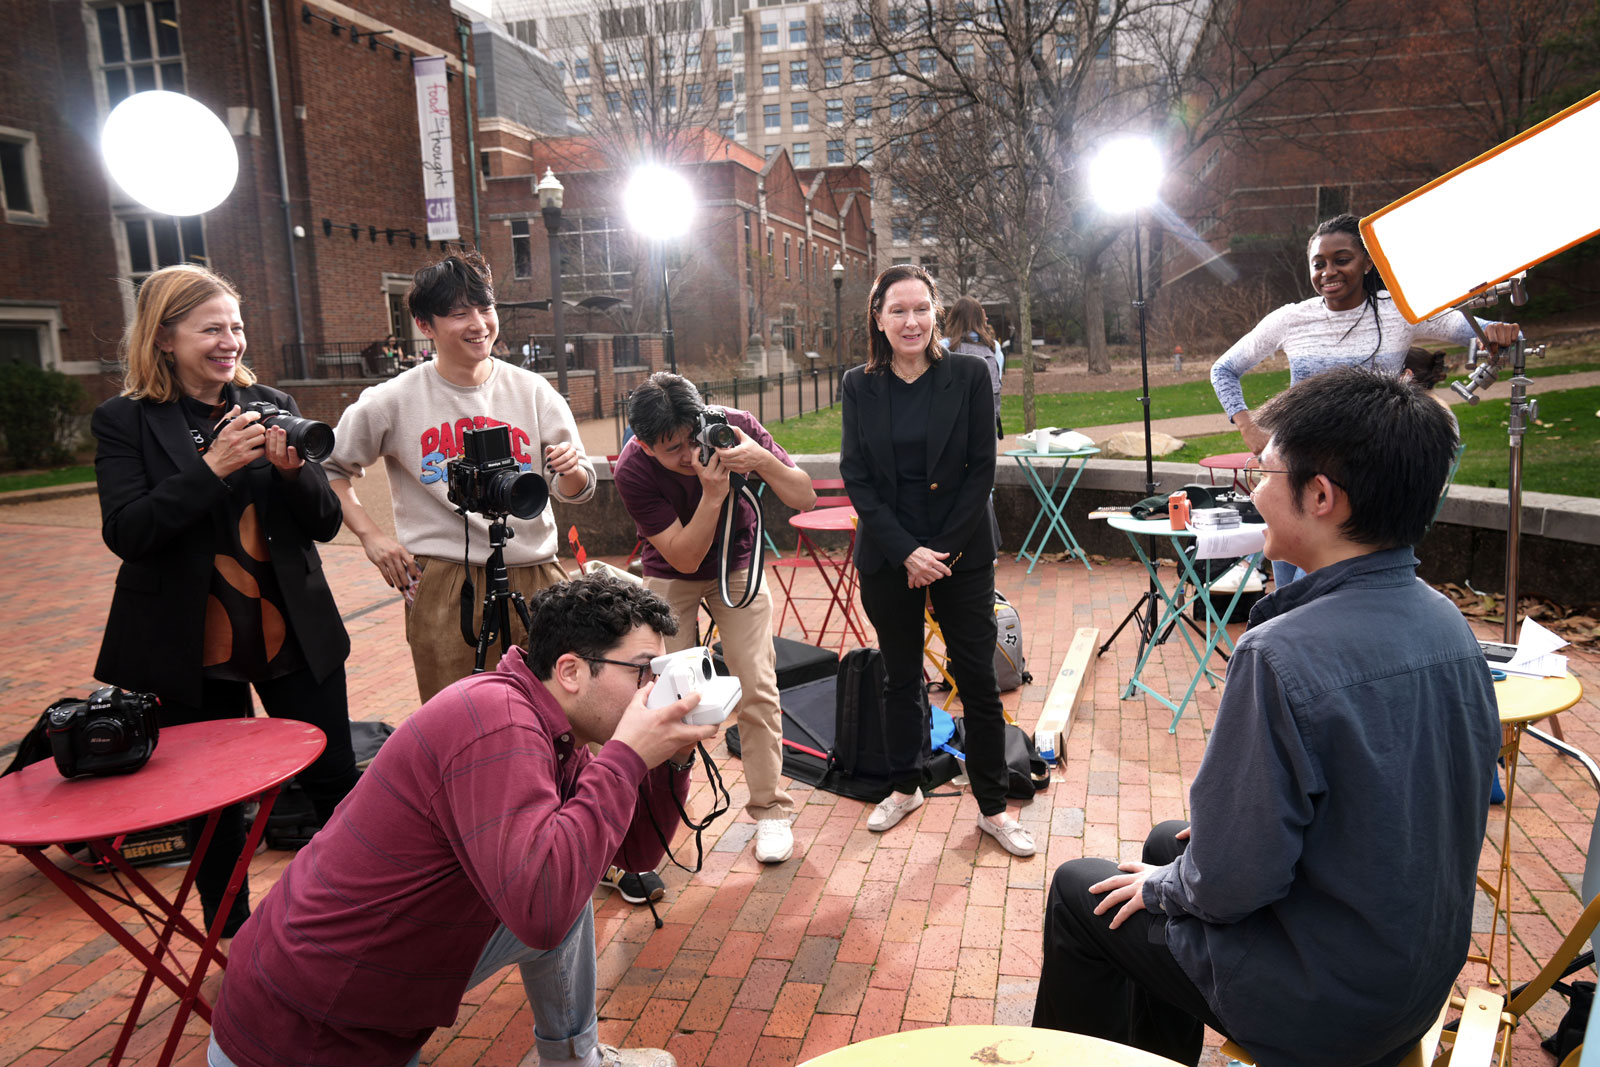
(157, 499)
(961, 458)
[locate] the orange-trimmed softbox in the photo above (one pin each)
(1516, 205)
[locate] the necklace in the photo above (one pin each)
(908, 379)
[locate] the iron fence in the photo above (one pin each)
(771, 398)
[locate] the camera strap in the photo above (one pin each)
(720, 803)
(739, 487)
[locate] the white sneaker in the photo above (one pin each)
(1012, 837)
(611, 1056)
(774, 840)
(892, 809)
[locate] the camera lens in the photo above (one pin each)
(721, 435)
(519, 493)
(313, 440)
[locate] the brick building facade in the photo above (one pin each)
(68, 264)
(752, 288)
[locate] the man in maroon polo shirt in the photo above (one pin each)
(474, 841)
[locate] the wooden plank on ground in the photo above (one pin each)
(1071, 682)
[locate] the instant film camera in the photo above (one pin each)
(680, 673)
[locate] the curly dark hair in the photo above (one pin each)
(589, 616)
(1371, 282)
(440, 287)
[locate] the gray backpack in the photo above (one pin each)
(1010, 665)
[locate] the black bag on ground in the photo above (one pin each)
(1026, 771)
(798, 662)
(1570, 1030)
(843, 719)
(293, 818)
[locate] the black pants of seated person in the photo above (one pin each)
(1122, 985)
(963, 602)
(296, 696)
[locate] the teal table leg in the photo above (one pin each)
(1051, 513)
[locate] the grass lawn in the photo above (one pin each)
(1560, 454)
(42, 479)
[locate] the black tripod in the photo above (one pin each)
(497, 598)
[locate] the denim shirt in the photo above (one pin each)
(1323, 906)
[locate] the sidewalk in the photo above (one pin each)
(860, 934)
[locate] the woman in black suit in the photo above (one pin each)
(918, 459)
(221, 587)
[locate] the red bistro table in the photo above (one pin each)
(839, 576)
(197, 770)
(1233, 462)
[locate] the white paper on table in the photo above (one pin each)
(1243, 540)
(1536, 652)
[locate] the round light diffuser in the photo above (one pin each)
(170, 153)
(1125, 174)
(659, 202)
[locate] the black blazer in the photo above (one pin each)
(157, 498)
(961, 458)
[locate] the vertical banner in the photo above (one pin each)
(438, 167)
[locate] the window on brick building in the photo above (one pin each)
(769, 35)
(585, 105)
(863, 150)
(786, 248)
(797, 31)
(772, 116)
(768, 151)
(800, 115)
(521, 250)
(791, 320)
(863, 109)
(832, 71)
(613, 103)
(800, 260)
(835, 112)
(594, 254)
(771, 259)
(769, 75)
(835, 151)
(897, 104)
(799, 74)
(832, 30)
(139, 48)
(725, 127)
(927, 61)
(863, 70)
(931, 265)
(162, 241)
(724, 54)
(900, 229)
(21, 185)
(693, 94)
(580, 69)
(610, 66)
(725, 91)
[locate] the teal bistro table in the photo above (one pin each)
(1052, 511)
(1215, 631)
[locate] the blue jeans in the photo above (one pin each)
(560, 983)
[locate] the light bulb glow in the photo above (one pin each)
(170, 153)
(1125, 174)
(659, 202)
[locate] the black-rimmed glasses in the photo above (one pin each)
(643, 669)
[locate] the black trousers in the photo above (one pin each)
(297, 696)
(964, 605)
(1122, 985)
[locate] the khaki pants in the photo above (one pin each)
(439, 653)
(747, 646)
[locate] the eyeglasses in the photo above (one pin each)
(1254, 476)
(642, 669)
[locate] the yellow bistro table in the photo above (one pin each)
(1523, 701)
(950, 1046)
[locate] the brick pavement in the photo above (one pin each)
(860, 934)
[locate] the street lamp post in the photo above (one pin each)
(550, 193)
(660, 205)
(838, 312)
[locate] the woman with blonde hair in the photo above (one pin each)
(917, 456)
(215, 517)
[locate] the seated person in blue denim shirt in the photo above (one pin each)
(1318, 907)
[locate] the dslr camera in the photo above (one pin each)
(112, 732)
(312, 439)
(487, 478)
(711, 432)
(680, 673)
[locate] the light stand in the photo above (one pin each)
(838, 312)
(550, 193)
(1125, 176)
(1524, 410)
(660, 204)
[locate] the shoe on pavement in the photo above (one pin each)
(774, 840)
(1012, 837)
(611, 1056)
(891, 809)
(641, 888)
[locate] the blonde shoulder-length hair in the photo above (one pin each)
(164, 299)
